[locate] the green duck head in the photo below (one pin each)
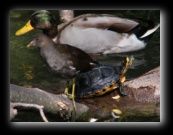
(42, 20)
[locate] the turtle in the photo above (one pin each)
(102, 79)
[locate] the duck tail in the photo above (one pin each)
(150, 31)
(144, 30)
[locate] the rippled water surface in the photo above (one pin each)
(27, 69)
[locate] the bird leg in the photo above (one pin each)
(71, 96)
(66, 90)
(73, 90)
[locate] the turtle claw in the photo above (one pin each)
(122, 92)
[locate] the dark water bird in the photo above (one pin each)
(94, 33)
(64, 60)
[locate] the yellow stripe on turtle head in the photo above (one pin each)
(122, 79)
(25, 29)
(127, 59)
(126, 63)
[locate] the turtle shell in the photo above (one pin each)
(96, 82)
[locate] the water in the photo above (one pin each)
(28, 70)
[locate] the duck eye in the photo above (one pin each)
(37, 39)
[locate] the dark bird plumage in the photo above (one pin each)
(62, 59)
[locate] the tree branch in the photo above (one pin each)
(66, 15)
(55, 104)
(40, 108)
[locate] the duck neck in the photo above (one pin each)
(51, 32)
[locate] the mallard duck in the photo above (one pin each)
(64, 60)
(94, 33)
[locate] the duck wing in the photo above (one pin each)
(121, 27)
(100, 21)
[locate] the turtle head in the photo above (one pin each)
(126, 64)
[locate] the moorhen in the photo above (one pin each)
(64, 60)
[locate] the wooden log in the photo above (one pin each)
(55, 104)
(66, 15)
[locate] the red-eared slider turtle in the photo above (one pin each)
(101, 79)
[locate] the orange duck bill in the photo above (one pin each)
(25, 29)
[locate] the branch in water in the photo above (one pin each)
(39, 107)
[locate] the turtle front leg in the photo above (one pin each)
(124, 93)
